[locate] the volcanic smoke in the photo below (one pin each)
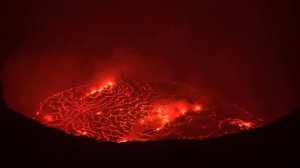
(126, 109)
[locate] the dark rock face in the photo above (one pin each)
(1, 90)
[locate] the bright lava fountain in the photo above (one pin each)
(130, 110)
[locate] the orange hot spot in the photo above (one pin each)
(198, 108)
(247, 125)
(244, 125)
(109, 83)
(101, 88)
(48, 118)
(123, 140)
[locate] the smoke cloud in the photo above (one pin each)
(241, 52)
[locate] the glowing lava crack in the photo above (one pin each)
(130, 110)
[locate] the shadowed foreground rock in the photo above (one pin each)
(26, 142)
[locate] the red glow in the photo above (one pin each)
(100, 87)
(48, 118)
(130, 110)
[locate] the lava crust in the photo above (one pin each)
(131, 110)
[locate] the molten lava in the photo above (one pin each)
(131, 110)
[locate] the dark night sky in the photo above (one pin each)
(240, 51)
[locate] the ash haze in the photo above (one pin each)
(244, 52)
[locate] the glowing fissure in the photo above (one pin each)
(130, 110)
